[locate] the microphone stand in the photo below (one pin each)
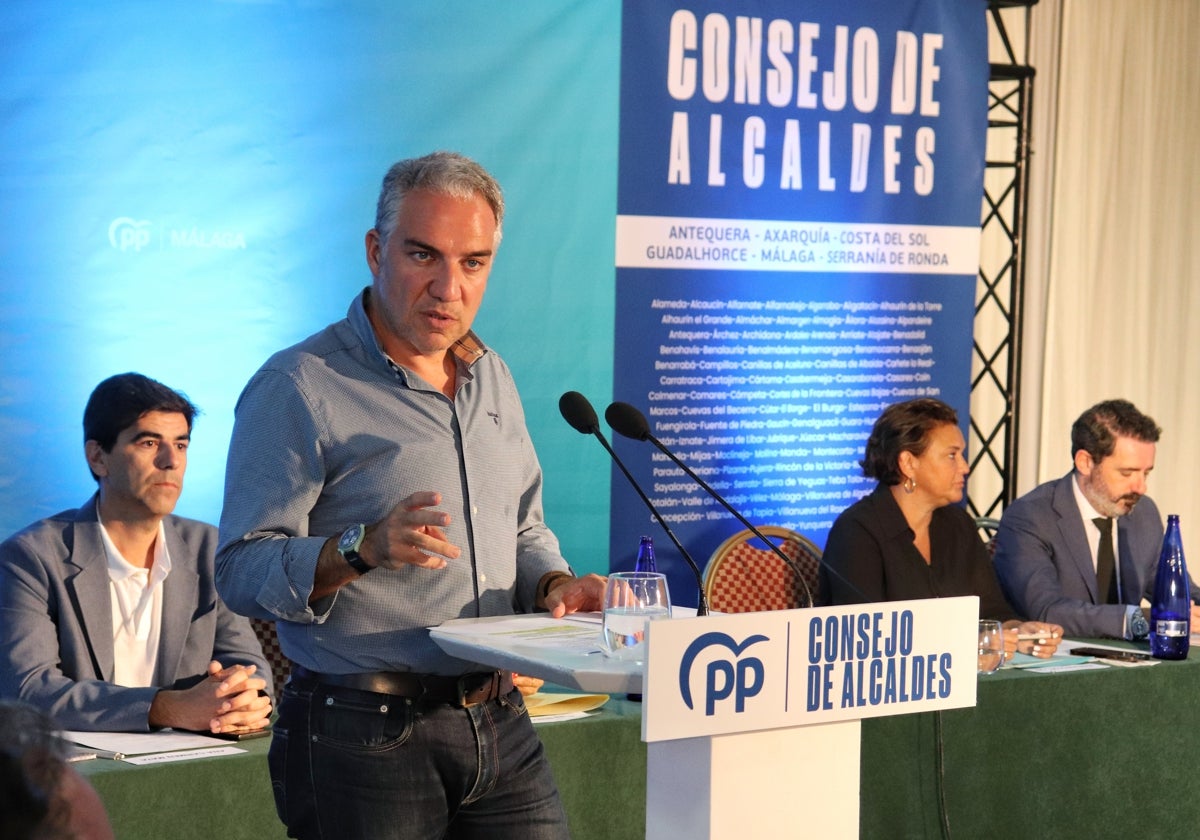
(632, 423)
(577, 411)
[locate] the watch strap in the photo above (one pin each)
(357, 563)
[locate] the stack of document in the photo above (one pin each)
(147, 747)
(549, 705)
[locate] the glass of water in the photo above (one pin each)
(991, 646)
(630, 600)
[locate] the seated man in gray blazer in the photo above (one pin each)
(109, 615)
(1053, 558)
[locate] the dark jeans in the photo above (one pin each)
(356, 765)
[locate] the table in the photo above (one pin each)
(227, 797)
(597, 761)
(1091, 754)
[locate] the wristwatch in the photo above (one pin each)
(349, 544)
(1139, 628)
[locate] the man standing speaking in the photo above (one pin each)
(381, 480)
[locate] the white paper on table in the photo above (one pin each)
(183, 755)
(1123, 663)
(1066, 669)
(559, 718)
(140, 743)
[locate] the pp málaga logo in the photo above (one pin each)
(127, 234)
(736, 676)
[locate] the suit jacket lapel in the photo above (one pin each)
(87, 580)
(180, 595)
(1070, 527)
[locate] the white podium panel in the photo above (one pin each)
(783, 783)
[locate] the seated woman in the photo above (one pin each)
(909, 538)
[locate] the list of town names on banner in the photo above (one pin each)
(797, 248)
(772, 400)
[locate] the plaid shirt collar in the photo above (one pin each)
(468, 350)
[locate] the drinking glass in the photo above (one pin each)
(991, 646)
(630, 600)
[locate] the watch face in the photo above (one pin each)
(350, 539)
(1139, 625)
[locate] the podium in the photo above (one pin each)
(752, 721)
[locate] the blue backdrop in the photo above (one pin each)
(185, 189)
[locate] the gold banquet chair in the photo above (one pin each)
(281, 668)
(988, 527)
(743, 575)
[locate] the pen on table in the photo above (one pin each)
(94, 754)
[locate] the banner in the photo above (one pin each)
(797, 247)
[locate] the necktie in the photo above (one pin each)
(1106, 563)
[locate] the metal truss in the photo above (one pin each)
(996, 357)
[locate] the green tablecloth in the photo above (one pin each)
(1092, 754)
(599, 763)
(224, 797)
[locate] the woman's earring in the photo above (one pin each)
(909, 485)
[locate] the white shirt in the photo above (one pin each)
(136, 598)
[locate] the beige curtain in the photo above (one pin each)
(1114, 268)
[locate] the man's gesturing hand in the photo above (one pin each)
(411, 534)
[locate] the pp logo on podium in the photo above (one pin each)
(733, 676)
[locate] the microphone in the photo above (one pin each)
(577, 411)
(631, 423)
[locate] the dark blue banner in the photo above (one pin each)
(797, 247)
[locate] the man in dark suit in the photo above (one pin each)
(109, 615)
(1055, 562)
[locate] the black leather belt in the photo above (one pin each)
(464, 691)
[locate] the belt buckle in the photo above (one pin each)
(468, 685)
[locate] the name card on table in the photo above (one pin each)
(768, 670)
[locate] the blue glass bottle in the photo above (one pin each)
(1171, 610)
(645, 558)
